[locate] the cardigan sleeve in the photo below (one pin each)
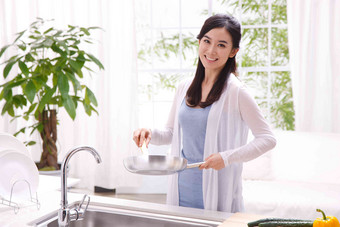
(264, 139)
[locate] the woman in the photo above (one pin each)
(209, 119)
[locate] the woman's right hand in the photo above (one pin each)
(141, 135)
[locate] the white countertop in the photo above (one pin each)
(49, 198)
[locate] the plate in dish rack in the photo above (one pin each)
(8, 141)
(18, 174)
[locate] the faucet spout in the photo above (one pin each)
(64, 212)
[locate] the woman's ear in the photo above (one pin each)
(233, 52)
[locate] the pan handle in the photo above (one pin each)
(193, 165)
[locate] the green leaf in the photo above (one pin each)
(95, 60)
(29, 57)
(48, 30)
(13, 83)
(90, 97)
(63, 44)
(30, 91)
(71, 28)
(57, 34)
(56, 49)
(75, 101)
(8, 107)
(19, 101)
(19, 36)
(22, 130)
(75, 65)
(85, 31)
(69, 106)
(3, 49)
(22, 47)
(38, 82)
(81, 59)
(7, 94)
(56, 100)
(87, 108)
(23, 68)
(75, 82)
(55, 79)
(30, 143)
(31, 108)
(63, 84)
(40, 128)
(8, 68)
(46, 98)
(95, 27)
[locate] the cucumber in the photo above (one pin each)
(256, 223)
(300, 223)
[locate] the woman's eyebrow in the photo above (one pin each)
(206, 37)
(222, 41)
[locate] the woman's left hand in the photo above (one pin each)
(214, 161)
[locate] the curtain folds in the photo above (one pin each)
(314, 34)
(110, 132)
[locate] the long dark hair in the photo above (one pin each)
(194, 93)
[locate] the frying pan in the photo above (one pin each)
(157, 164)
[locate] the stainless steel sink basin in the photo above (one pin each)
(99, 215)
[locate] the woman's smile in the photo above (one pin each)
(211, 59)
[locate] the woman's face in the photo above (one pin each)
(215, 48)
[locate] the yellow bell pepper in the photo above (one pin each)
(330, 221)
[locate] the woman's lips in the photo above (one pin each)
(210, 59)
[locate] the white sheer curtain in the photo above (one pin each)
(110, 133)
(314, 45)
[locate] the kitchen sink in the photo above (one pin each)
(103, 215)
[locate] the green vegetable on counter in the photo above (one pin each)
(300, 223)
(274, 222)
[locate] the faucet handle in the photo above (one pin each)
(80, 210)
(83, 200)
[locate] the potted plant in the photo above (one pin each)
(50, 67)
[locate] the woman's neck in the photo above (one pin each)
(210, 77)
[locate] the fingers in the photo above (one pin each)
(136, 136)
(141, 135)
(214, 161)
(204, 166)
(207, 163)
(148, 138)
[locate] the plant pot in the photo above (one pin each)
(52, 172)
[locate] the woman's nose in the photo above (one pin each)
(211, 49)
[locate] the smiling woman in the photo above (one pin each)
(209, 120)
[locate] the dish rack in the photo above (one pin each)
(16, 206)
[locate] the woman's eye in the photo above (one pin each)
(206, 41)
(221, 45)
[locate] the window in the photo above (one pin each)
(167, 53)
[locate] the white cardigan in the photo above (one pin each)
(227, 132)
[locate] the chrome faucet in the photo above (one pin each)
(65, 214)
